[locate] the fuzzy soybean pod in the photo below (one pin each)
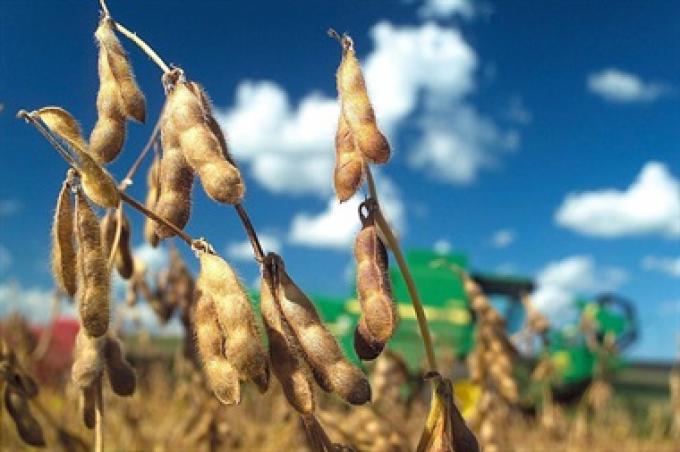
(330, 368)
(152, 194)
(108, 134)
(287, 362)
(242, 345)
(121, 374)
(93, 273)
(356, 106)
(349, 163)
(379, 314)
(27, 426)
(189, 113)
(63, 250)
(123, 257)
(175, 179)
(132, 98)
(221, 375)
(88, 407)
(88, 362)
(97, 183)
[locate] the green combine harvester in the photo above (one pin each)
(452, 321)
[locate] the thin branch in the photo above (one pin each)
(23, 114)
(393, 243)
(105, 9)
(250, 230)
(142, 45)
(140, 207)
(127, 181)
(99, 417)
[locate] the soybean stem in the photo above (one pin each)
(140, 207)
(142, 45)
(99, 417)
(393, 243)
(105, 9)
(250, 230)
(127, 181)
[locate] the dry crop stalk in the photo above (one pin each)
(356, 106)
(93, 273)
(218, 282)
(379, 315)
(63, 250)
(330, 368)
(118, 97)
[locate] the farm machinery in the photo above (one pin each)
(571, 347)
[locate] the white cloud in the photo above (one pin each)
(618, 86)
(35, 303)
(428, 69)
(443, 9)
(337, 225)
(559, 282)
(155, 258)
(502, 238)
(442, 246)
(651, 205)
(668, 265)
(243, 251)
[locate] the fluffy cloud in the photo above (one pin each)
(33, 302)
(651, 205)
(668, 265)
(443, 9)
(502, 238)
(615, 85)
(243, 251)
(427, 70)
(336, 226)
(561, 281)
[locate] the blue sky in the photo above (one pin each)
(540, 138)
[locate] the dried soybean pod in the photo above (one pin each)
(379, 312)
(222, 376)
(87, 405)
(202, 149)
(365, 344)
(330, 368)
(349, 163)
(63, 124)
(152, 194)
(93, 273)
(356, 106)
(286, 359)
(242, 346)
(121, 374)
(176, 177)
(97, 183)
(63, 250)
(123, 258)
(132, 98)
(27, 426)
(88, 362)
(108, 134)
